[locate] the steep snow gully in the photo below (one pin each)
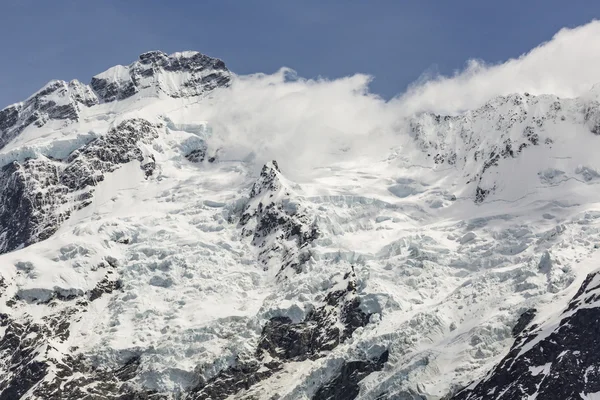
(175, 231)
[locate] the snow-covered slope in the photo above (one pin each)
(152, 249)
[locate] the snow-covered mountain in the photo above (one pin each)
(152, 248)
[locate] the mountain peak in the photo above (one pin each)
(183, 74)
(152, 56)
(268, 179)
(57, 100)
(156, 72)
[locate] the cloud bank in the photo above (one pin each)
(568, 65)
(299, 121)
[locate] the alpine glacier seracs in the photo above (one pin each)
(151, 249)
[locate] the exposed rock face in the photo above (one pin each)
(78, 378)
(465, 141)
(524, 320)
(58, 100)
(29, 351)
(87, 166)
(345, 385)
(274, 217)
(320, 331)
(201, 154)
(283, 341)
(233, 380)
(559, 362)
(72, 377)
(37, 195)
(202, 74)
(177, 75)
(18, 352)
(197, 155)
(30, 203)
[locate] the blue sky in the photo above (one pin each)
(395, 41)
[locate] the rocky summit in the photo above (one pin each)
(172, 230)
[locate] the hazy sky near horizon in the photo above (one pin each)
(394, 41)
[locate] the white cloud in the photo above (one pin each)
(299, 121)
(567, 66)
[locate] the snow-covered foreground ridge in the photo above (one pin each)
(152, 248)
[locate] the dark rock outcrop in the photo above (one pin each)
(273, 218)
(88, 165)
(37, 195)
(345, 385)
(524, 320)
(320, 331)
(105, 286)
(30, 200)
(560, 364)
(62, 101)
(465, 140)
(197, 155)
(283, 341)
(233, 380)
(19, 347)
(33, 364)
(203, 74)
(58, 100)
